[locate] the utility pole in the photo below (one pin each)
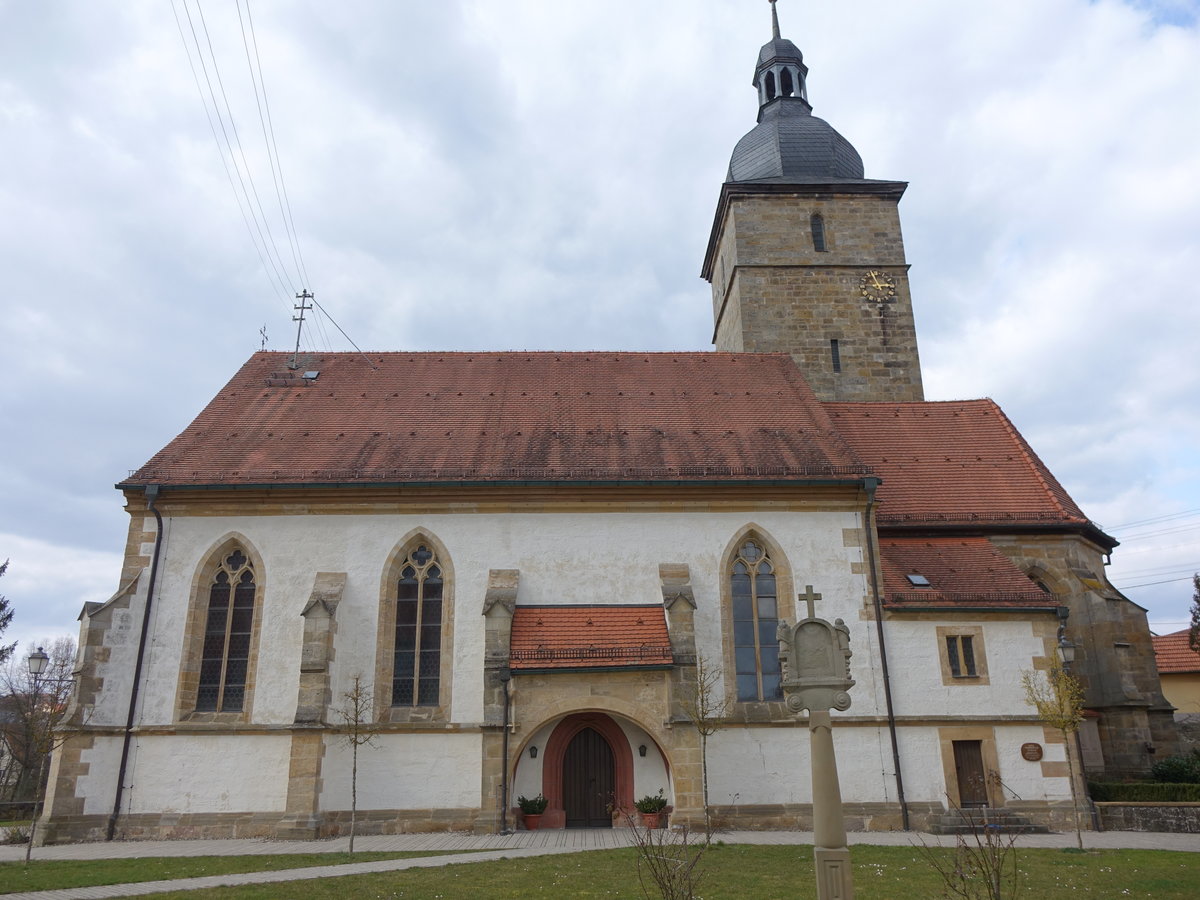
(300, 307)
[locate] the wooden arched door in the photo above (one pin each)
(588, 785)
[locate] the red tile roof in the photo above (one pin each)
(404, 417)
(577, 637)
(954, 463)
(961, 572)
(1173, 655)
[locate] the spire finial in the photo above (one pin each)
(774, 20)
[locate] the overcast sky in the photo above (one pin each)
(478, 174)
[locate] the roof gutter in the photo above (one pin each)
(151, 497)
(870, 484)
(848, 481)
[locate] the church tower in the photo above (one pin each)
(806, 255)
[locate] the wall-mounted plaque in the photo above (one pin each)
(1031, 752)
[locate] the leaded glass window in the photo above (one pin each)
(225, 658)
(755, 620)
(416, 674)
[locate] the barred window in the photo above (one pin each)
(416, 673)
(755, 620)
(229, 623)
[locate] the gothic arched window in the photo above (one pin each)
(755, 608)
(786, 87)
(770, 85)
(417, 662)
(227, 630)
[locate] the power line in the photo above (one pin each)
(270, 239)
(224, 163)
(261, 101)
(1152, 583)
(1156, 519)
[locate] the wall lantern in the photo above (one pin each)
(533, 752)
(1066, 652)
(642, 750)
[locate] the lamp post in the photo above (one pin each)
(37, 662)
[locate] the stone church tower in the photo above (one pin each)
(806, 255)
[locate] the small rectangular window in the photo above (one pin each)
(835, 354)
(818, 232)
(960, 654)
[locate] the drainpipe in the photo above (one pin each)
(505, 676)
(870, 484)
(151, 496)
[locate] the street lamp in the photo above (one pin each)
(38, 660)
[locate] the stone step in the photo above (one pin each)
(968, 821)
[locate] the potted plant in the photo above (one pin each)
(532, 809)
(651, 808)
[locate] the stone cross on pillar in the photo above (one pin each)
(815, 659)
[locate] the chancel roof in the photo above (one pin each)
(954, 572)
(954, 463)
(346, 418)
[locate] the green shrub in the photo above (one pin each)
(1144, 792)
(1183, 769)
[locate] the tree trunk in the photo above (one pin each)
(353, 795)
(1074, 790)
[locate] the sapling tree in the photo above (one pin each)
(705, 706)
(358, 730)
(1057, 695)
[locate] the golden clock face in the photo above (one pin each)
(877, 286)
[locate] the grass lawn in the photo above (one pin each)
(741, 871)
(44, 875)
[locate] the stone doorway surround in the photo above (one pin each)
(552, 767)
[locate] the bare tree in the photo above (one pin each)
(705, 706)
(1057, 695)
(6, 615)
(35, 707)
(359, 730)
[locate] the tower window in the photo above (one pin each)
(770, 85)
(835, 354)
(786, 87)
(818, 232)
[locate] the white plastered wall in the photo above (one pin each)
(405, 771)
(208, 774)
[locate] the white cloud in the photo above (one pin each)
(471, 175)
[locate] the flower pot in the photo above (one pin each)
(533, 821)
(651, 820)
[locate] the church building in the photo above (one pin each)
(532, 564)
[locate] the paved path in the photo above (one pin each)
(475, 848)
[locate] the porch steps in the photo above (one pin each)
(973, 821)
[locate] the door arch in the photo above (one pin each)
(556, 751)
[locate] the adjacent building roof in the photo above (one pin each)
(588, 637)
(955, 463)
(1173, 655)
(954, 572)
(345, 418)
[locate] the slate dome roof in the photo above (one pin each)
(791, 143)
